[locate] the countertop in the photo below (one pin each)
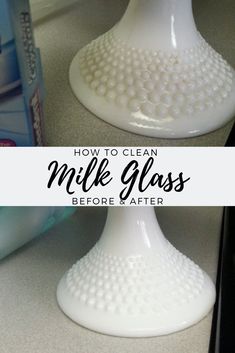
(30, 319)
(67, 122)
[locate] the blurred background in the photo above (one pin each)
(42, 8)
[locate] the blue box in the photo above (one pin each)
(21, 83)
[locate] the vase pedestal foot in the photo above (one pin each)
(134, 283)
(153, 74)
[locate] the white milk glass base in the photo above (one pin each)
(134, 283)
(153, 74)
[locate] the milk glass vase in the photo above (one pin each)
(154, 74)
(133, 282)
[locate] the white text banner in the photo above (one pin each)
(109, 176)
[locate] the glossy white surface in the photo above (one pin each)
(214, 20)
(158, 25)
(133, 282)
(153, 74)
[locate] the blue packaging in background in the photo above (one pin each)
(21, 84)
(19, 225)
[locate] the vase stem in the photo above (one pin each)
(164, 24)
(136, 227)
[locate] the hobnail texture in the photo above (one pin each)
(175, 86)
(157, 84)
(117, 290)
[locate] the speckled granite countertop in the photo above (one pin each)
(30, 319)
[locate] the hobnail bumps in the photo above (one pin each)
(134, 285)
(157, 84)
(133, 282)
